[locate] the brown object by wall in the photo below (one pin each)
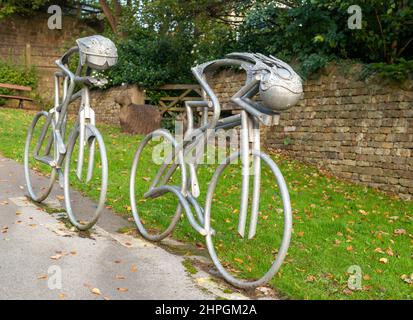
(137, 118)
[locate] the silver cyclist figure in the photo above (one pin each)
(277, 88)
(47, 146)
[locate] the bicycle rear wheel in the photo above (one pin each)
(85, 215)
(40, 177)
(264, 252)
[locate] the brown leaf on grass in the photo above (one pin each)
(310, 278)
(349, 248)
(379, 250)
(301, 234)
(366, 277)
(384, 260)
(390, 252)
(399, 232)
(407, 279)
(238, 260)
(96, 291)
(364, 213)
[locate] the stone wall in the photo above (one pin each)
(358, 131)
(27, 41)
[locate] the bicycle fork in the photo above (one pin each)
(86, 116)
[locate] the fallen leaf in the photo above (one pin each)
(364, 213)
(73, 253)
(389, 252)
(96, 291)
(379, 250)
(123, 289)
(62, 296)
(120, 277)
(407, 279)
(384, 260)
(42, 277)
(349, 248)
(399, 232)
(56, 257)
(310, 278)
(60, 198)
(301, 234)
(133, 268)
(239, 260)
(118, 261)
(366, 277)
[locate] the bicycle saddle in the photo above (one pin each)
(98, 52)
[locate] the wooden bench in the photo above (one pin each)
(17, 97)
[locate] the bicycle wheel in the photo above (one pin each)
(40, 177)
(84, 215)
(157, 209)
(248, 263)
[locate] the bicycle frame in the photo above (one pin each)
(247, 123)
(65, 82)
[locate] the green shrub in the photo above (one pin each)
(399, 71)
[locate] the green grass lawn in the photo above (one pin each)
(336, 224)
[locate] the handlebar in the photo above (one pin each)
(75, 77)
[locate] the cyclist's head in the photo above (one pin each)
(97, 52)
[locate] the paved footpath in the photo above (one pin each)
(43, 258)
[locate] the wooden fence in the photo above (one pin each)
(176, 96)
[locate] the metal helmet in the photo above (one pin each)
(98, 52)
(280, 88)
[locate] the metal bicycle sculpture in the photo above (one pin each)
(279, 88)
(51, 150)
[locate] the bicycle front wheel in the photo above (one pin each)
(88, 173)
(40, 177)
(248, 262)
(157, 155)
